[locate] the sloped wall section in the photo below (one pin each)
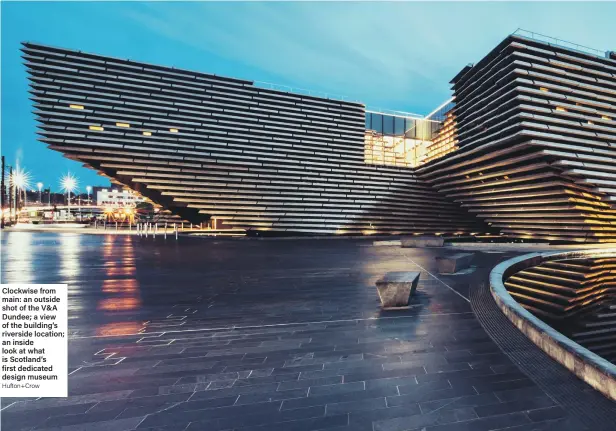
(206, 146)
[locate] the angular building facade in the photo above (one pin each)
(205, 146)
(536, 130)
(527, 149)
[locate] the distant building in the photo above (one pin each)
(116, 197)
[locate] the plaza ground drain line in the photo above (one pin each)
(273, 325)
(438, 279)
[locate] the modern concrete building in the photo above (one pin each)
(527, 149)
(536, 130)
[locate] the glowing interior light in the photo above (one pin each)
(122, 124)
(147, 133)
(99, 128)
(543, 89)
(75, 106)
(173, 130)
(560, 108)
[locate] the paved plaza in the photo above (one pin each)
(247, 335)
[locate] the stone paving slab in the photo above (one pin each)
(268, 335)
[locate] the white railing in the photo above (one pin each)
(400, 114)
(558, 42)
(304, 91)
(322, 94)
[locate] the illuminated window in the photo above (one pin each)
(560, 108)
(173, 130)
(506, 177)
(543, 89)
(147, 133)
(591, 123)
(393, 150)
(392, 140)
(75, 106)
(99, 128)
(122, 124)
(605, 117)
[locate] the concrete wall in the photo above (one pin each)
(203, 145)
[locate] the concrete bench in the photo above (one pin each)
(454, 263)
(421, 241)
(395, 288)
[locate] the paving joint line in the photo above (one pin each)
(439, 280)
(234, 328)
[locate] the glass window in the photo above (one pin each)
(406, 142)
(388, 125)
(399, 125)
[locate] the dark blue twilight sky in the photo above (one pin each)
(390, 55)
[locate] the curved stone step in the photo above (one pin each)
(524, 282)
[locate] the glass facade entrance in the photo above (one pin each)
(400, 141)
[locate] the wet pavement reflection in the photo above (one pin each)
(236, 334)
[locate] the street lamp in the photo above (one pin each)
(68, 184)
(21, 182)
(40, 188)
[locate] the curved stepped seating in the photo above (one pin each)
(578, 296)
(597, 332)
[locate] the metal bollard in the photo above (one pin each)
(175, 227)
(165, 231)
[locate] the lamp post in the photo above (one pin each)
(68, 184)
(40, 189)
(21, 182)
(11, 187)
(2, 196)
